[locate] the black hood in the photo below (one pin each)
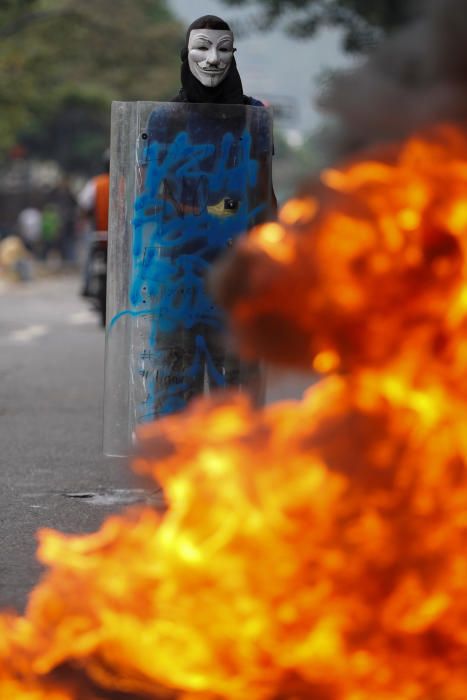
(229, 91)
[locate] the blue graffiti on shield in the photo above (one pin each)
(194, 201)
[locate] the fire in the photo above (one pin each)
(313, 550)
(388, 234)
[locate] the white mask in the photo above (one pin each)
(210, 53)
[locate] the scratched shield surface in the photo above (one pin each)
(186, 180)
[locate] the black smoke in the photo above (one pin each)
(415, 78)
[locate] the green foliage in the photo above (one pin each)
(63, 61)
(360, 19)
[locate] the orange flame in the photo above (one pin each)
(377, 267)
(315, 549)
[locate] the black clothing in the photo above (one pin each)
(229, 91)
(182, 96)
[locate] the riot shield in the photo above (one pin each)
(186, 180)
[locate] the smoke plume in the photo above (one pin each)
(415, 78)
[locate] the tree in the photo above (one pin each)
(63, 61)
(363, 21)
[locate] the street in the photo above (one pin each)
(52, 470)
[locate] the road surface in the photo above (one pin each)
(52, 471)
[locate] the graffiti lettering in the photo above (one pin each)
(196, 195)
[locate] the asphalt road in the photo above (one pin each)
(52, 470)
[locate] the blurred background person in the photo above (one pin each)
(16, 262)
(93, 202)
(50, 234)
(66, 204)
(29, 227)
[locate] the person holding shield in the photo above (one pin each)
(204, 178)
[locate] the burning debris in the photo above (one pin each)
(315, 549)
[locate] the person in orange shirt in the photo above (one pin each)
(93, 201)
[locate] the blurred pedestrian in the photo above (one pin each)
(66, 204)
(15, 259)
(93, 201)
(50, 234)
(29, 227)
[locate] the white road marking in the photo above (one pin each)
(82, 317)
(25, 335)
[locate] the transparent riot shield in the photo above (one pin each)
(185, 181)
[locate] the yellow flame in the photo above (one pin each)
(298, 211)
(326, 361)
(272, 239)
